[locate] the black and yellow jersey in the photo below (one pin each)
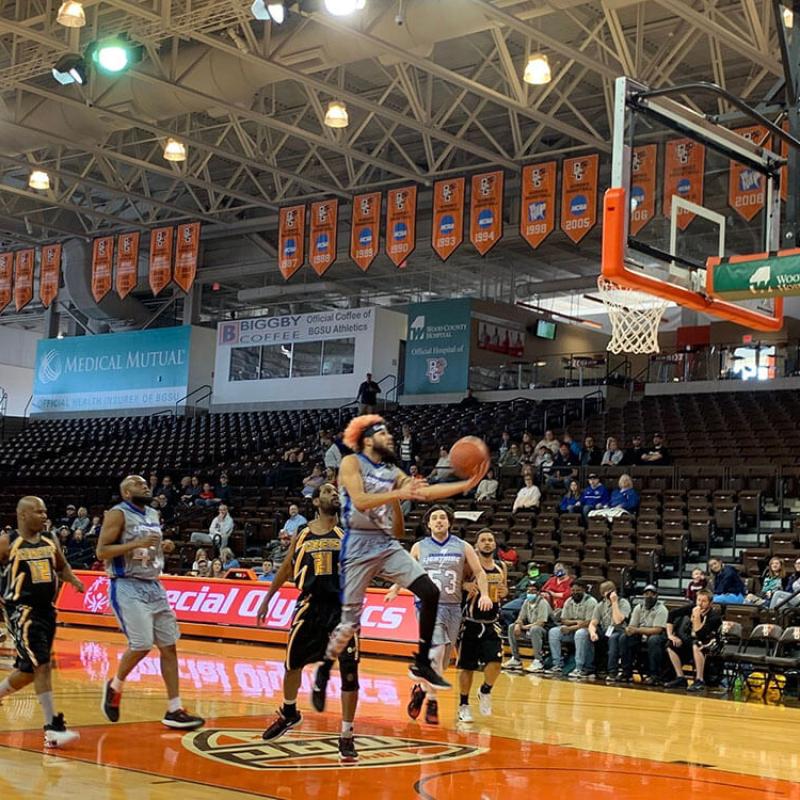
(496, 578)
(315, 564)
(30, 575)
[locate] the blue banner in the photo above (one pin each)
(437, 351)
(143, 369)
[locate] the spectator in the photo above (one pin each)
(218, 568)
(699, 581)
(267, 571)
(657, 455)
(487, 488)
(528, 496)
(368, 395)
(728, 584)
(199, 556)
(543, 462)
(94, 528)
(505, 552)
(527, 457)
(576, 617)
(549, 441)
(64, 533)
(330, 474)
(442, 472)
(81, 522)
(223, 491)
(167, 488)
(154, 483)
(558, 587)
(509, 612)
(295, 521)
(334, 453)
(590, 455)
(595, 495)
(791, 587)
(166, 511)
(79, 551)
(184, 487)
(625, 496)
(192, 491)
(202, 568)
(534, 617)
(694, 639)
(469, 401)
(647, 631)
(229, 560)
(313, 481)
(511, 457)
(563, 469)
(69, 517)
(505, 444)
(608, 624)
(207, 498)
(407, 448)
(278, 549)
(574, 447)
(772, 581)
(633, 455)
(613, 455)
(219, 531)
(571, 501)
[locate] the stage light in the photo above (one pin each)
(114, 54)
(174, 150)
(39, 180)
(336, 115)
(269, 12)
(70, 68)
(71, 15)
(341, 8)
(537, 70)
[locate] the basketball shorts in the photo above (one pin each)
(480, 645)
(143, 613)
(33, 631)
(313, 622)
(448, 624)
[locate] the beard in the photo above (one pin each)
(387, 454)
(329, 509)
(141, 499)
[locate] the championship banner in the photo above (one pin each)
(401, 224)
(127, 263)
(745, 185)
(486, 211)
(684, 172)
(365, 229)
(537, 213)
(6, 279)
(291, 240)
(186, 249)
(49, 273)
(160, 258)
(579, 196)
(23, 277)
(644, 167)
(447, 230)
(102, 254)
(322, 236)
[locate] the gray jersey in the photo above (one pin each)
(377, 479)
(144, 563)
(444, 562)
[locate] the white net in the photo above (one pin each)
(634, 318)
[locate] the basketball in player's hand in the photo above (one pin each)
(467, 454)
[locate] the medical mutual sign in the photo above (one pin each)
(142, 369)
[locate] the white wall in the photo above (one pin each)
(17, 361)
(390, 329)
(201, 362)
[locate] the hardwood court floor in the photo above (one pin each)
(546, 737)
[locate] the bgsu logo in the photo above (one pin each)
(95, 599)
(436, 369)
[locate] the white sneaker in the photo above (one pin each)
(60, 738)
(485, 704)
(512, 663)
(465, 714)
(535, 666)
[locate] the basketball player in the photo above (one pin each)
(444, 557)
(369, 484)
(32, 565)
(132, 545)
(480, 644)
(312, 563)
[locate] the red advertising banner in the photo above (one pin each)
(746, 187)
(102, 255)
(23, 277)
(365, 229)
(291, 240)
(127, 263)
(579, 196)
(684, 172)
(447, 229)
(486, 211)
(644, 167)
(537, 212)
(160, 258)
(322, 234)
(187, 248)
(49, 273)
(401, 224)
(6, 279)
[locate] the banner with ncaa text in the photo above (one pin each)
(23, 277)
(401, 224)
(684, 172)
(486, 211)
(322, 235)
(644, 166)
(6, 279)
(447, 229)
(187, 248)
(579, 196)
(102, 255)
(160, 258)
(127, 263)
(49, 273)
(537, 218)
(745, 185)
(291, 239)
(365, 229)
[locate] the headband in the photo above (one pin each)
(376, 428)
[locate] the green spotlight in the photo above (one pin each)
(115, 54)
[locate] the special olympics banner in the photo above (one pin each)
(684, 165)
(322, 239)
(49, 274)
(447, 228)
(144, 369)
(291, 240)
(160, 258)
(187, 249)
(23, 277)
(579, 196)
(102, 254)
(401, 224)
(537, 212)
(6, 279)
(745, 185)
(644, 163)
(365, 229)
(127, 263)
(486, 211)
(437, 352)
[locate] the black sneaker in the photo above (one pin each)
(182, 719)
(321, 678)
(110, 704)
(56, 733)
(697, 686)
(422, 672)
(415, 703)
(676, 683)
(281, 724)
(347, 750)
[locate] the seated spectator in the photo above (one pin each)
(543, 462)
(295, 522)
(563, 469)
(531, 623)
(609, 620)
(94, 528)
(334, 452)
(509, 611)
(330, 474)
(469, 401)
(64, 534)
(558, 587)
(207, 498)
(772, 581)
(574, 447)
(199, 556)
(633, 455)
(613, 455)
(442, 472)
(691, 632)
(549, 441)
(595, 495)
(506, 553)
(590, 454)
(81, 522)
(79, 552)
(576, 617)
(192, 491)
(218, 568)
(527, 457)
(788, 596)
(154, 483)
(223, 491)
(487, 488)
(267, 571)
(728, 584)
(202, 568)
(168, 490)
(229, 560)
(624, 500)
(505, 444)
(278, 549)
(69, 516)
(166, 511)
(528, 497)
(657, 455)
(313, 481)
(183, 488)
(571, 501)
(699, 581)
(511, 457)
(646, 632)
(221, 526)
(407, 448)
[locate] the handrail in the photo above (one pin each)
(342, 408)
(25, 413)
(204, 388)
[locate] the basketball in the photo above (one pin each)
(467, 454)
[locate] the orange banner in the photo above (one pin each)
(537, 213)
(684, 173)
(6, 279)
(49, 273)
(486, 211)
(187, 248)
(160, 258)
(401, 224)
(365, 229)
(644, 167)
(746, 186)
(102, 254)
(579, 196)
(23, 277)
(127, 263)
(291, 240)
(447, 230)
(322, 234)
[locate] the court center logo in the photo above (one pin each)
(245, 749)
(50, 368)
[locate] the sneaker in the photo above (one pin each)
(697, 686)
(347, 750)
(535, 666)
(321, 678)
(57, 735)
(611, 678)
(182, 719)
(512, 663)
(110, 704)
(465, 714)
(414, 706)
(280, 725)
(422, 672)
(432, 712)
(485, 703)
(676, 683)
(556, 672)
(624, 677)
(649, 680)
(580, 675)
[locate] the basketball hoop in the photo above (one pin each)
(634, 317)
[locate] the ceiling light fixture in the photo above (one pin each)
(788, 17)
(39, 180)
(269, 12)
(174, 150)
(114, 54)
(537, 70)
(336, 116)
(71, 14)
(342, 8)
(70, 68)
